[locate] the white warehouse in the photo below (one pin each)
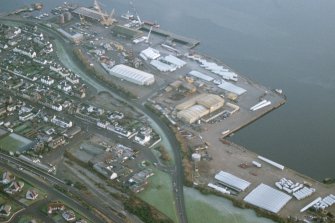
(132, 75)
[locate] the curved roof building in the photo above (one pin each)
(132, 75)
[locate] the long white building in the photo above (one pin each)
(132, 75)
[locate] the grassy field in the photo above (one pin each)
(201, 208)
(27, 186)
(159, 194)
(20, 128)
(9, 201)
(27, 218)
(12, 143)
(57, 215)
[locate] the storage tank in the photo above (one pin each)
(61, 19)
(67, 16)
(196, 157)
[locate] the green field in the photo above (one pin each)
(27, 186)
(13, 142)
(28, 218)
(7, 200)
(159, 194)
(209, 208)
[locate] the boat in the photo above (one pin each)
(128, 16)
(37, 6)
(153, 24)
(225, 132)
(279, 91)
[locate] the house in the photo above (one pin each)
(64, 86)
(26, 117)
(61, 122)
(57, 107)
(144, 136)
(7, 177)
(69, 215)
(47, 80)
(5, 210)
(55, 206)
(72, 132)
(142, 139)
(31, 194)
(14, 187)
(57, 142)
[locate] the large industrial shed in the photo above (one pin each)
(199, 106)
(132, 75)
(232, 181)
(89, 13)
(193, 113)
(268, 198)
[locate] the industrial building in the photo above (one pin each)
(75, 38)
(132, 75)
(168, 63)
(150, 54)
(89, 13)
(232, 88)
(199, 106)
(268, 198)
(232, 181)
(200, 75)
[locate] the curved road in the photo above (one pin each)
(168, 135)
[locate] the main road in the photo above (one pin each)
(65, 54)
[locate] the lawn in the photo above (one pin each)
(13, 142)
(22, 195)
(209, 208)
(28, 218)
(159, 194)
(57, 216)
(7, 200)
(20, 128)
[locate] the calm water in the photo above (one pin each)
(281, 44)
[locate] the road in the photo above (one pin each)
(48, 186)
(53, 193)
(168, 135)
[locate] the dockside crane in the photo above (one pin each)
(147, 39)
(106, 20)
(136, 14)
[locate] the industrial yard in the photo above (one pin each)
(99, 118)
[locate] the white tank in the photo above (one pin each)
(196, 157)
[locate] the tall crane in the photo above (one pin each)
(136, 14)
(147, 39)
(106, 20)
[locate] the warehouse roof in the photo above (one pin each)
(268, 198)
(133, 75)
(90, 13)
(150, 53)
(232, 88)
(232, 181)
(162, 66)
(200, 75)
(192, 113)
(174, 60)
(209, 100)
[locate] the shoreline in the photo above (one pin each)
(250, 121)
